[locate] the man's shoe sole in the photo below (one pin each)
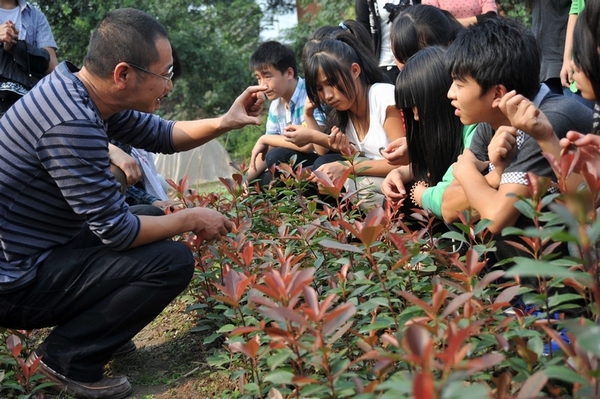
(106, 388)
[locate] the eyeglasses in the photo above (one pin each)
(168, 76)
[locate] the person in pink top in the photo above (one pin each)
(467, 12)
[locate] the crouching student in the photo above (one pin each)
(274, 65)
(342, 74)
(487, 61)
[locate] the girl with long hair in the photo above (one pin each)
(434, 135)
(342, 76)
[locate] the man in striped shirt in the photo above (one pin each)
(72, 254)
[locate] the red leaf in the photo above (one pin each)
(507, 295)
(417, 341)
(456, 303)
(419, 302)
(424, 386)
(302, 380)
(13, 343)
(337, 317)
(533, 386)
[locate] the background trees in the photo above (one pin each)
(214, 40)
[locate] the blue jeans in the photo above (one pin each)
(97, 298)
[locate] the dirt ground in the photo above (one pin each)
(169, 362)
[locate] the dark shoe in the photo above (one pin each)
(126, 349)
(106, 388)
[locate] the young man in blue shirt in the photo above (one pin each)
(274, 66)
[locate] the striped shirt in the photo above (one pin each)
(55, 175)
(280, 116)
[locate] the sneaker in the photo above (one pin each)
(554, 345)
(105, 388)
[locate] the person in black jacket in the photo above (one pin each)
(377, 18)
(28, 50)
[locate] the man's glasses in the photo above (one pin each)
(168, 76)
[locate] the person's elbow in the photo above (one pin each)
(449, 212)
(500, 219)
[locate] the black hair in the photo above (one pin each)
(124, 35)
(585, 54)
(497, 51)
(273, 54)
(435, 140)
(420, 26)
(334, 58)
(331, 31)
(177, 69)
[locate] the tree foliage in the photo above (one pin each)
(214, 40)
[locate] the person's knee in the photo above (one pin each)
(183, 263)
(277, 156)
(148, 210)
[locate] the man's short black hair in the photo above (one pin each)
(497, 51)
(273, 54)
(124, 35)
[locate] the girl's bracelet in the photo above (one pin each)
(420, 183)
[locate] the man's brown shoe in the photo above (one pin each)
(106, 388)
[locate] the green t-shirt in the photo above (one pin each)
(576, 8)
(432, 197)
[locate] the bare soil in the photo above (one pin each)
(170, 360)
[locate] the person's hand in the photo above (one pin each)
(333, 170)
(309, 108)
(126, 163)
(467, 162)
(258, 152)
(589, 149)
(246, 109)
(8, 35)
(396, 152)
(298, 135)
(210, 224)
(338, 141)
(524, 115)
(503, 147)
(393, 187)
(566, 74)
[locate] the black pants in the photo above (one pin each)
(97, 298)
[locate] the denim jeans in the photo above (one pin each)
(97, 298)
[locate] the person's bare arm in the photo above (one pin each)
(566, 72)
(245, 110)
(206, 223)
(53, 60)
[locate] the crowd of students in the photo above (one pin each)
(459, 127)
(454, 136)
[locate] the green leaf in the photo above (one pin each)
(588, 336)
(556, 300)
(458, 390)
(454, 235)
(279, 377)
(526, 267)
(226, 328)
(211, 338)
(525, 208)
(564, 374)
(340, 246)
(482, 225)
(276, 359)
(251, 388)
